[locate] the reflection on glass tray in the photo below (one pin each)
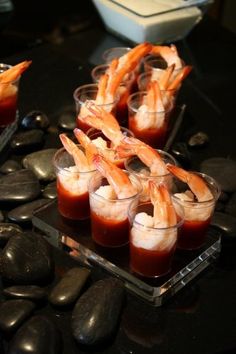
(77, 238)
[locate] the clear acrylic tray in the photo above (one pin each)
(75, 237)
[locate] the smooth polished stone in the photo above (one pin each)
(30, 292)
(50, 191)
(24, 213)
(10, 166)
(34, 120)
(96, 313)
(222, 170)
(7, 230)
(226, 223)
(40, 162)
(181, 153)
(27, 259)
(68, 289)
(67, 119)
(39, 334)
(19, 187)
(230, 207)
(1, 216)
(13, 313)
(198, 140)
(27, 141)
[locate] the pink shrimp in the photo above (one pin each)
(164, 214)
(195, 183)
(14, 72)
(116, 177)
(149, 156)
(106, 122)
(79, 157)
(169, 54)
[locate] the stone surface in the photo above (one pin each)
(13, 313)
(26, 259)
(34, 120)
(230, 207)
(8, 230)
(24, 213)
(19, 187)
(67, 119)
(198, 140)
(1, 216)
(50, 191)
(40, 162)
(96, 313)
(39, 334)
(30, 292)
(68, 289)
(226, 223)
(222, 170)
(10, 166)
(27, 141)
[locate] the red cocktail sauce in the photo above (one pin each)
(75, 207)
(155, 137)
(150, 263)
(8, 110)
(192, 234)
(109, 233)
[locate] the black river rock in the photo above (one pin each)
(19, 187)
(34, 120)
(226, 223)
(30, 292)
(96, 313)
(10, 166)
(8, 230)
(50, 191)
(27, 141)
(68, 289)
(26, 259)
(24, 213)
(67, 119)
(39, 334)
(13, 313)
(40, 162)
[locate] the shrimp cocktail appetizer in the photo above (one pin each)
(150, 111)
(198, 201)
(145, 163)
(74, 168)
(9, 82)
(154, 232)
(111, 190)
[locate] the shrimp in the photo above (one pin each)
(14, 72)
(106, 122)
(169, 54)
(89, 147)
(116, 177)
(197, 185)
(184, 72)
(149, 156)
(164, 214)
(79, 157)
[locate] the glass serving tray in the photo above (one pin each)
(7, 132)
(75, 237)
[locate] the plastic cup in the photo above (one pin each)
(148, 126)
(109, 218)
(82, 95)
(197, 214)
(152, 248)
(115, 52)
(135, 166)
(72, 187)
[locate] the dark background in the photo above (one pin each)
(34, 22)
